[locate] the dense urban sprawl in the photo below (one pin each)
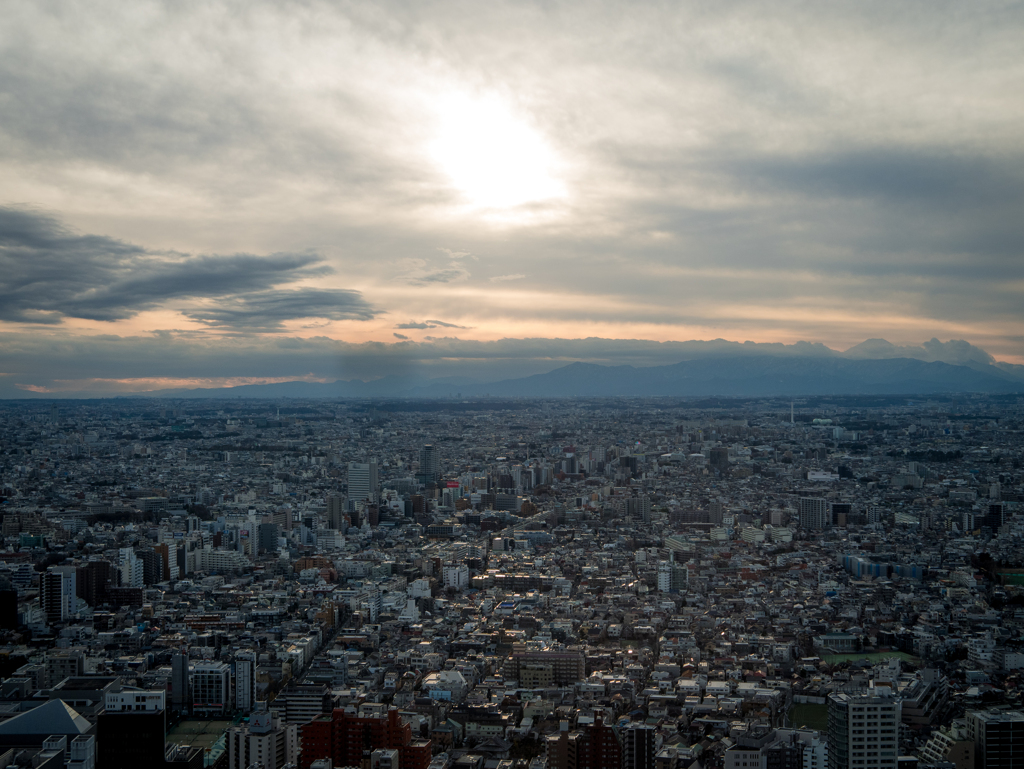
(827, 583)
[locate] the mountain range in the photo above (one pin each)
(719, 368)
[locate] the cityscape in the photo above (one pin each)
(513, 584)
(520, 384)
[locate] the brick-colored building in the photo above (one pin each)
(346, 738)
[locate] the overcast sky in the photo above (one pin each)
(222, 192)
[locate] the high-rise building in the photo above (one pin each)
(719, 458)
(164, 552)
(152, 566)
(336, 511)
(638, 747)
(245, 681)
(211, 689)
(132, 570)
(430, 465)
(8, 608)
(362, 481)
(863, 730)
(265, 742)
(92, 581)
(267, 537)
(597, 747)
(639, 508)
(813, 513)
(57, 593)
(179, 680)
(998, 738)
(300, 702)
(132, 732)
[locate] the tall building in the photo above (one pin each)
(430, 465)
(362, 481)
(264, 742)
(179, 681)
(8, 609)
(719, 459)
(672, 576)
(245, 681)
(92, 581)
(863, 730)
(336, 511)
(57, 593)
(638, 747)
(302, 702)
(164, 552)
(813, 513)
(267, 537)
(596, 747)
(132, 732)
(211, 689)
(132, 569)
(998, 738)
(152, 565)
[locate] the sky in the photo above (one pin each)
(215, 193)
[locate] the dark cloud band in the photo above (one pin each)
(48, 273)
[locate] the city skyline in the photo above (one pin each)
(219, 195)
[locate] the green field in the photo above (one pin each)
(835, 659)
(809, 715)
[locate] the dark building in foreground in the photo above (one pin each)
(132, 733)
(998, 738)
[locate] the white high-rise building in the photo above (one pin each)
(863, 730)
(245, 681)
(813, 513)
(131, 568)
(265, 742)
(456, 576)
(362, 481)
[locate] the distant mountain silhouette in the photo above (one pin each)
(736, 376)
(757, 376)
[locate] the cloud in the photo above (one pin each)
(825, 171)
(454, 255)
(448, 275)
(504, 278)
(49, 273)
(400, 336)
(425, 272)
(443, 324)
(428, 324)
(266, 310)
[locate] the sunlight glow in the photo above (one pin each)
(494, 158)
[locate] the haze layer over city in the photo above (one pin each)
(537, 385)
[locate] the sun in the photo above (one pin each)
(495, 159)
